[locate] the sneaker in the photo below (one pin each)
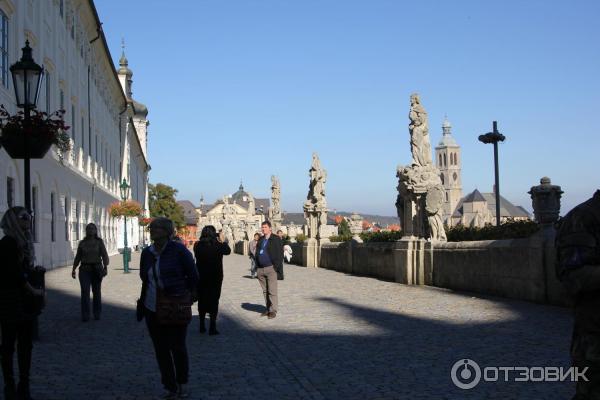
(182, 391)
(272, 314)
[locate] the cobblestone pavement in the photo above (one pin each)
(336, 337)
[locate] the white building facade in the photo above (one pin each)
(108, 132)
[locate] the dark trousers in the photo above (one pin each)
(19, 333)
(89, 278)
(170, 350)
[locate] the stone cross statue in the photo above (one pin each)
(419, 133)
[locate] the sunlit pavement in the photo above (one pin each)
(336, 337)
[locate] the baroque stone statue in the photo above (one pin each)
(275, 210)
(420, 190)
(419, 133)
(315, 206)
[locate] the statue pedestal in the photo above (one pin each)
(413, 262)
(310, 253)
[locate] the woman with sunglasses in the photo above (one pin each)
(16, 317)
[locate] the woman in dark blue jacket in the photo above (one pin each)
(167, 266)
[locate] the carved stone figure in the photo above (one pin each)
(315, 206)
(419, 133)
(420, 190)
(275, 210)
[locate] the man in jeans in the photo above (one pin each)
(269, 263)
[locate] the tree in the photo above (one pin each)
(163, 204)
(344, 228)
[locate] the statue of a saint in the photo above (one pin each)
(419, 133)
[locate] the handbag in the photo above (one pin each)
(36, 278)
(171, 310)
(139, 307)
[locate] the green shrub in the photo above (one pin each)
(340, 238)
(382, 236)
(344, 229)
(301, 238)
(508, 230)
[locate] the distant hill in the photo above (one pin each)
(298, 218)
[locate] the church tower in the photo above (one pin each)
(448, 161)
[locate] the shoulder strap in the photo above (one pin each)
(154, 269)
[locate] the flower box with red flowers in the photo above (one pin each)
(33, 138)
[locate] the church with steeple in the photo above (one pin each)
(448, 161)
(476, 208)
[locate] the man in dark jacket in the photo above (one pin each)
(578, 267)
(269, 263)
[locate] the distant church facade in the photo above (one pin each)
(476, 208)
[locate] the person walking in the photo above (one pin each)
(16, 317)
(168, 275)
(92, 255)
(252, 251)
(209, 252)
(269, 262)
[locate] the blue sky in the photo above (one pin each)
(247, 89)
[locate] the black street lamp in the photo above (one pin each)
(27, 77)
(495, 137)
(124, 187)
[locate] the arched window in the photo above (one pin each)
(447, 198)
(445, 161)
(440, 160)
(442, 178)
(455, 158)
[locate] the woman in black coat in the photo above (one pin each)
(16, 311)
(209, 252)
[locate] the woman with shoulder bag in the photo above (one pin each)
(169, 277)
(92, 255)
(16, 321)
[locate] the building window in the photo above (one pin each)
(62, 99)
(52, 217)
(34, 208)
(447, 198)
(10, 191)
(48, 94)
(82, 135)
(77, 219)
(67, 217)
(442, 178)
(440, 164)
(73, 122)
(61, 8)
(445, 161)
(4, 48)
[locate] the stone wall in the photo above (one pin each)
(519, 269)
